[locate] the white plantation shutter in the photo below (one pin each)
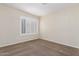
(29, 25)
(23, 26)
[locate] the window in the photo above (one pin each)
(29, 25)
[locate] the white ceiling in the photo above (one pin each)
(40, 9)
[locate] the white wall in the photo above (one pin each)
(61, 27)
(10, 26)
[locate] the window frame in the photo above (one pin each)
(22, 34)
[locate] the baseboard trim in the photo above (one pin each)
(60, 44)
(36, 40)
(17, 43)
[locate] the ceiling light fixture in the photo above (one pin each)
(44, 3)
